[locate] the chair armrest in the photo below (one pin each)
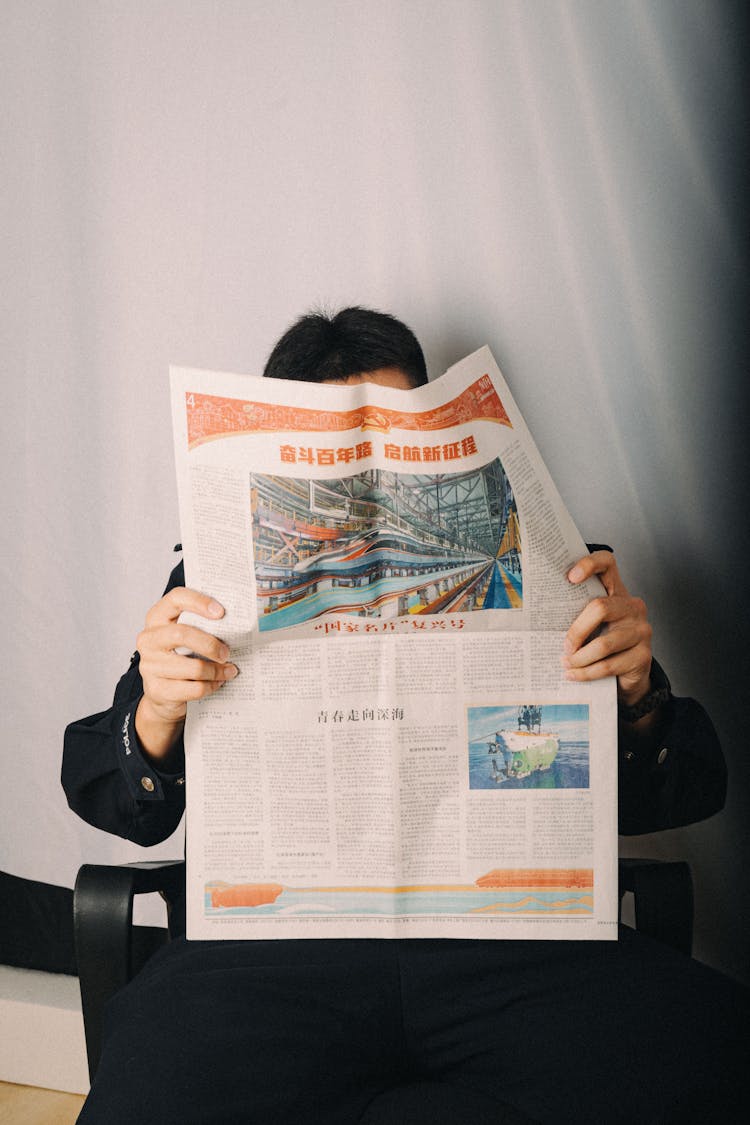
(663, 894)
(109, 950)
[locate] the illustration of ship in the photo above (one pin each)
(526, 750)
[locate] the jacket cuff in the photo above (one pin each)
(144, 781)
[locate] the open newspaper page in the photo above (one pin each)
(401, 755)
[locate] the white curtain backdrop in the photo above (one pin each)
(183, 178)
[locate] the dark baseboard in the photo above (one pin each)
(36, 931)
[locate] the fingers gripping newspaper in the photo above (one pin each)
(400, 755)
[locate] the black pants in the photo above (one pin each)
(305, 1032)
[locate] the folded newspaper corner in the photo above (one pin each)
(401, 755)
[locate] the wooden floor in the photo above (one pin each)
(28, 1105)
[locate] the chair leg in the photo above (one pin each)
(109, 949)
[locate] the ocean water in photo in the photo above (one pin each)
(569, 770)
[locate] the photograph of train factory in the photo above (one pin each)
(383, 544)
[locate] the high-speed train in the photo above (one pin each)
(385, 545)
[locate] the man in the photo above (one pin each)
(472, 1031)
(501, 745)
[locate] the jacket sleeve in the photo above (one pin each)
(675, 777)
(106, 777)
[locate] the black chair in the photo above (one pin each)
(110, 950)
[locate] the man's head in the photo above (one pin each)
(355, 345)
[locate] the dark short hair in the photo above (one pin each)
(320, 346)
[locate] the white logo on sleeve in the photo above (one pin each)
(126, 733)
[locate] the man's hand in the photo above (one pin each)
(171, 680)
(611, 636)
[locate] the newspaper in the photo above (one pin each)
(401, 754)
